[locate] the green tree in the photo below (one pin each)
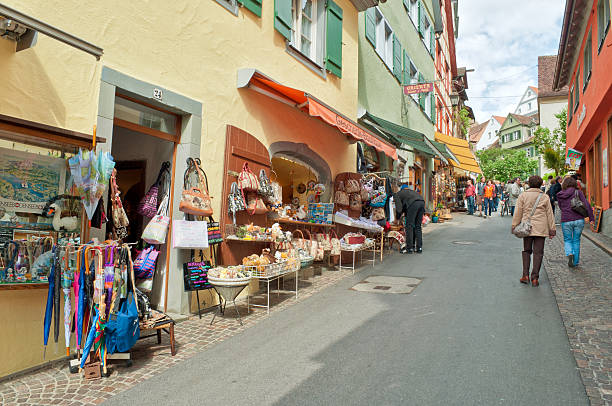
(504, 164)
(552, 144)
(463, 121)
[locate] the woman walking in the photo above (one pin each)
(489, 191)
(572, 218)
(534, 206)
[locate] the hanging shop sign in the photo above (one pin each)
(573, 158)
(418, 88)
(28, 181)
(582, 115)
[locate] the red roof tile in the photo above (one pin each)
(546, 74)
(476, 131)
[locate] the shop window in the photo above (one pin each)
(603, 22)
(586, 76)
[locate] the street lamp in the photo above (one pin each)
(454, 97)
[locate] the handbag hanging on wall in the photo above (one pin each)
(265, 189)
(120, 219)
(247, 180)
(196, 200)
(352, 186)
(148, 204)
(255, 204)
(341, 198)
(155, 232)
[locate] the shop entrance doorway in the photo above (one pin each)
(297, 179)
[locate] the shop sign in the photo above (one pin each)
(572, 159)
(582, 115)
(418, 88)
(158, 94)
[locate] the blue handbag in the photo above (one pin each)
(122, 329)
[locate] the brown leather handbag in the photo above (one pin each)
(196, 200)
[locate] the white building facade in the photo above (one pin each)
(529, 102)
(489, 135)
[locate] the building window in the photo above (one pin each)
(304, 27)
(496, 131)
(384, 40)
(577, 92)
(413, 11)
(529, 106)
(570, 104)
(229, 5)
(586, 76)
(414, 78)
(489, 134)
(427, 34)
(603, 22)
(428, 105)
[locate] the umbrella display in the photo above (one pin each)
(67, 277)
(49, 307)
(91, 172)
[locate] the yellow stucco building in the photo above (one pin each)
(200, 69)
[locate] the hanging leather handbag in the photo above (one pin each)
(148, 204)
(255, 204)
(352, 186)
(378, 213)
(355, 201)
(247, 180)
(577, 205)
(120, 219)
(341, 198)
(235, 201)
(196, 200)
(265, 189)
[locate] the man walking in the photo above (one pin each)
(470, 195)
(515, 191)
(412, 206)
(480, 186)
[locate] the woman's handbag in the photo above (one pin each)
(334, 255)
(155, 232)
(196, 200)
(255, 205)
(577, 205)
(379, 198)
(120, 219)
(523, 229)
(148, 205)
(355, 201)
(352, 186)
(378, 213)
(235, 201)
(247, 180)
(122, 329)
(341, 198)
(265, 189)
(144, 264)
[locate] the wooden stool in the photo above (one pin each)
(166, 327)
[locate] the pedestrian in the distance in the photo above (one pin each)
(470, 195)
(534, 206)
(555, 187)
(489, 191)
(499, 192)
(550, 181)
(480, 194)
(412, 206)
(513, 194)
(572, 220)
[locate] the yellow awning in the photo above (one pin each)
(461, 149)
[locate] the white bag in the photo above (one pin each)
(189, 234)
(155, 232)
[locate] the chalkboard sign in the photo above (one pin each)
(195, 275)
(597, 212)
(214, 233)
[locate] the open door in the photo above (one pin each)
(241, 147)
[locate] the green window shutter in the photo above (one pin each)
(333, 44)
(370, 25)
(406, 77)
(421, 95)
(253, 5)
(421, 16)
(432, 40)
(397, 59)
(433, 108)
(283, 17)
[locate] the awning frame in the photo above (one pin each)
(50, 31)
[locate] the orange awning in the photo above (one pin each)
(461, 149)
(313, 107)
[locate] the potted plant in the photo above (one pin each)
(435, 216)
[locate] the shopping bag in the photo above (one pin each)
(155, 232)
(144, 264)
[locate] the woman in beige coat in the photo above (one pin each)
(542, 226)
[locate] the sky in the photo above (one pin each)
(501, 40)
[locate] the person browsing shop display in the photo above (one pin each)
(489, 192)
(470, 195)
(411, 204)
(480, 194)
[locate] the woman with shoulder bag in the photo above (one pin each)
(574, 208)
(533, 221)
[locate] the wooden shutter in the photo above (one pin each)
(421, 17)
(406, 78)
(283, 17)
(370, 25)
(253, 5)
(397, 59)
(421, 95)
(433, 108)
(333, 45)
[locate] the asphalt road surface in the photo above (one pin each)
(469, 334)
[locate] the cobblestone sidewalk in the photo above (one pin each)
(57, 386)
(584, 297)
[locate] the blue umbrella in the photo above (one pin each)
(90, 339)
(49, 309)
(82, 304)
